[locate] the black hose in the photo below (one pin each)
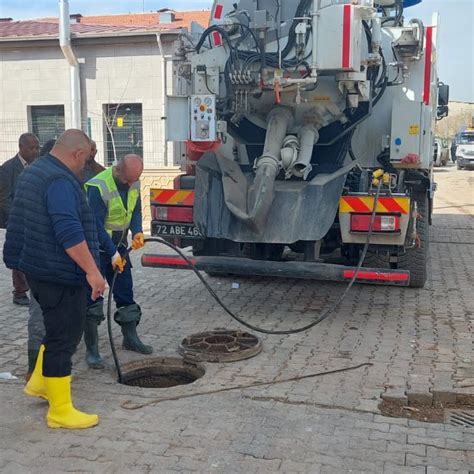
(314, 323)
(109, 328)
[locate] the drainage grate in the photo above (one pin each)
(162, 372)
(460, 418)
(220, 345)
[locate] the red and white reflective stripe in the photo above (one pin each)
(218, 11)
(376, 276)
(157, 260)
(346, 36)
(217, 38)
(428, 60)
(383, 223)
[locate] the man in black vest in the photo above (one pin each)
(52, 238)
(28, 151)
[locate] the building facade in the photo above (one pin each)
(125, 75)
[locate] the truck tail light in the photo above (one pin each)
(173, 213)
(382, 223)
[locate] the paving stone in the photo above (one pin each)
(417, 340)
(390, 468)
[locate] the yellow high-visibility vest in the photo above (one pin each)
(118, 217)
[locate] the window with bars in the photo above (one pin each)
(123, 130)
(47, 121)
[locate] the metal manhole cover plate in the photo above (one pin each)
(460, 418)
(220, 345)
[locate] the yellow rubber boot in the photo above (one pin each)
(36, 386)
(61, 413)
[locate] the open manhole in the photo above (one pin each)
(163, 372)
(220, 345)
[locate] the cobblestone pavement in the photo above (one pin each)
(420, 343)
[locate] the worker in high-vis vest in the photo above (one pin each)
(114, 197)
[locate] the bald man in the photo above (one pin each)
(52, 238)
(114, 197)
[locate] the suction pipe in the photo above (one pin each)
(262, 192)
(74, 73)
(308, 136)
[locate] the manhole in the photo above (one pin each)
(220, 345)
(460, 418)
(161, 372)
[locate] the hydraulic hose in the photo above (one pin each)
(109, 325)
(314, 323)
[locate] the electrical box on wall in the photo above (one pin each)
(203, 118)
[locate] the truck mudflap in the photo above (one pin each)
(300, 210)
(303, 270)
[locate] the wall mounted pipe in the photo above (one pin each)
(164, 91)
(74, 70)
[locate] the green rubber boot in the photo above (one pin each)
(128, 318)
(131, 341)
(91, 338)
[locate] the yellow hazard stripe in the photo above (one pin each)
(172, 197)
(364, 204)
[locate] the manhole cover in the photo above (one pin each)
(460, 418)
(220, 345)
(161, 372)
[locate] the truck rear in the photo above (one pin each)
(307, 124)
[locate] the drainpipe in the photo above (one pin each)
(164, 86)
(74, 74)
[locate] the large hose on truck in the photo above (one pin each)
(261, 194)
(314, 323)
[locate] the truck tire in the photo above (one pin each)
(416, 259)
(413, 259)
(377, 260)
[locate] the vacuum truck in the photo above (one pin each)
(308, 125)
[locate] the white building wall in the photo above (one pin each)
(111, 73)
(123, 72)
(28, 77)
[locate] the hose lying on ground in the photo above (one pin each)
(314, 323)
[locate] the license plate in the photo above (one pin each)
(177, 230)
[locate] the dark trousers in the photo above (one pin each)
(64, 314)
(123, 289)
(20, 285)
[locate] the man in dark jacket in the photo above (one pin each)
(453, 150)
(10, 171)
(52, 238)
(92, 168)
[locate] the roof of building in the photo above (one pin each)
(182, 19)
(101, 26)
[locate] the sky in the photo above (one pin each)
(456, 44)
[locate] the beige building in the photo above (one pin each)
(461, 114)
(125, 75)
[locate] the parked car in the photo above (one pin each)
(465, 149)
(441, 152)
